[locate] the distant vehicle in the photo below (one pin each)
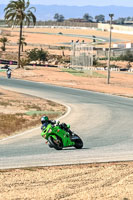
(5, 67)
(124, 69)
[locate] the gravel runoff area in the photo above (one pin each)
(110, 181)
(103, 181)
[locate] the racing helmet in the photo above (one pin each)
(44, 119)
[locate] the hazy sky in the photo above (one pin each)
(80, 2)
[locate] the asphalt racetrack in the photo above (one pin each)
(104, 122)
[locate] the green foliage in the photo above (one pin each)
(95, 61)
(37, 54)
(59, 18)
(32, 54)
(23, 43)
(87, 17)
(23, 62)
(19, 13)
(3, 48)
(128, 56)
(3, 40)
(120, 20)
(100, 18)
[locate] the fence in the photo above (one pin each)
(114, 52)
(81, 55)
(67, 23)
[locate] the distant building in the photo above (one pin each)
(128, 22)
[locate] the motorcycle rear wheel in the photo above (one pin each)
(57, 144)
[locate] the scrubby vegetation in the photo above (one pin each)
(37, 54)
(24, 112)
(128, 56)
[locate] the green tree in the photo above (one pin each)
(100, 18)
(59, 18)
(120, 20)
(19, 13)
(87, 17)
(3, 40)
(128, 56)
(56, 16)
(129, 19)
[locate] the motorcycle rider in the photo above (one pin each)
(45, 121)
(8, 72)
(66, 128)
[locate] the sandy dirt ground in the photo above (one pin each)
(107, 181)
(111, 181)
(38, 38)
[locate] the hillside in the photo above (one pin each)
(46, 12)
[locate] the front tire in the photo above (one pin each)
(78, 143)
(57, 144)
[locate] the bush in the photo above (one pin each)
(37, 54)
(127, 57)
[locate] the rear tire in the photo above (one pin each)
(57, 144)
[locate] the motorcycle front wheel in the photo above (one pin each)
(57, 144)
(78, 142)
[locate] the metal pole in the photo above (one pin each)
(109, 52)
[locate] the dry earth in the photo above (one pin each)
(38, 38)
(82, 182)
(19, 112)
(107, 181)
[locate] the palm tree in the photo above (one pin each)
(19, 13)
(87, 17)
(3, 40)
(23, 43)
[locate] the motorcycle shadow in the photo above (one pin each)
(73, 149)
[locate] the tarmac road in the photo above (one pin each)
(104, 122)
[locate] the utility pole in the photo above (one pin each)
(109, 51)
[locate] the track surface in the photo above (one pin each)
(97, 38)
(104, 122)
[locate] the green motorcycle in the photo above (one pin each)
(58, 136)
